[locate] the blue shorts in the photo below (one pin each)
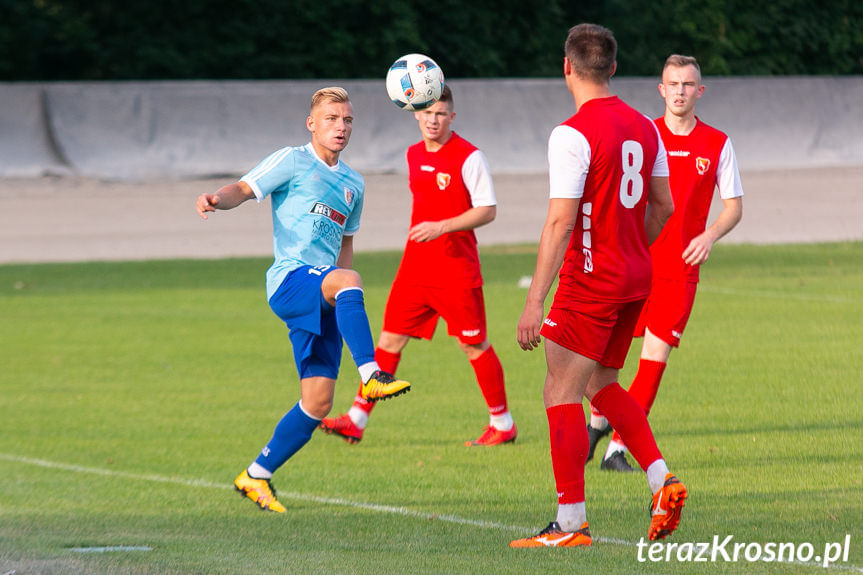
(311, 320)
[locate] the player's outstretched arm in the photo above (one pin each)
(227, 197)
(699, 248)
(562, 214)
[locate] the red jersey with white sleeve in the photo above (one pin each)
(698, 162)
(605, 155)
(445, 184)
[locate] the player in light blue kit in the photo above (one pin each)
(316, 201)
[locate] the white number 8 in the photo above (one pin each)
(632, 184)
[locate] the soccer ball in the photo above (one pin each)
(414, 82)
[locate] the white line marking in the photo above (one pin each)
(109, 549)
(404, 511)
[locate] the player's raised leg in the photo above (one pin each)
(343, 289)
(351, 426)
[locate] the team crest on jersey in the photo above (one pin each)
(443, 180)
(323, 209)
(349, 196)
(702, 165)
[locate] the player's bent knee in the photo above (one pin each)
(338, 280)
(474, 350)
(317, 407)
(348, 278)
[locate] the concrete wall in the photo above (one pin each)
(146, 130)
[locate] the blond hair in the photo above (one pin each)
(333, 94)
(680, 61)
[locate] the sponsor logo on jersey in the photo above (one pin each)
(678, 153)
(349, 196)
(323, 209)
(588, 260)
(702, 165)
(327, 232)
(443, 180)
(470, 332)
(427, 168)
(549, 323)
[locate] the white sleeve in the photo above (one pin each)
(660, 166)
(476, 176)
(727, 174)
(568, 163)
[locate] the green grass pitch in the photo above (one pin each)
(131, 395)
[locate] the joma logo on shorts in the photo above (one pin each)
(470, 332)
(322, 209)
(550, 323)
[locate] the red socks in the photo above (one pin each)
(646, 383)
(644, 387)
(388, 362)
(627, 417)
(489, 375)
(568, 434)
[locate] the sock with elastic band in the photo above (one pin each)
(353, 323)
(571, 516)
(291, 434)
(597, 420)
(644, 386)
(656, 473)
(569, 443)
(627, 417)
(255, 471)
(489, 376)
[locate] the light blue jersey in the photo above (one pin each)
(313, 205)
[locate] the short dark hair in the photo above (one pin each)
(592, 50)
(446, 96)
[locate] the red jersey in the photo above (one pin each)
(439, 192)
(605, 154)
(698, 162)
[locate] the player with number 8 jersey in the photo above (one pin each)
(608, 257)
(609, 198)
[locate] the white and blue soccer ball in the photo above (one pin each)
(414, 82)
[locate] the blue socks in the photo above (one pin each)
(292, 432)
(296, 427)
(354, 326)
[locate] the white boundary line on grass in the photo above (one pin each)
(404, 511)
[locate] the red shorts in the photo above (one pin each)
(667, 309)
(414, 310)
(599, 330)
